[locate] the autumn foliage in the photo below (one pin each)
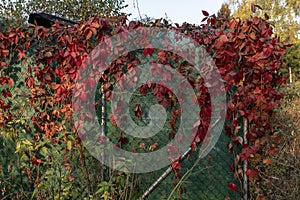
(247, 55)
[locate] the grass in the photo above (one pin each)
(281, 180)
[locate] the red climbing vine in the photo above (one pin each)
(246, 53)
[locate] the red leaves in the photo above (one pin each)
(276, 138)
(266, 16)
(245, 53)
(107, 86)
(138, 111)
(267, 161)
(3, 80)
(123, 140)
(148, 51)
(176, 166)
(95, 25)
(82, 96)
(254, 6)
(35, 161)
(175, 114)
(73, 54)
(29, 82)
(223, 38)
(174, 150)
(143, 146)
(153, 147)
(61, 91)
(193, 146)
(273, 151)
(162, 56)
(21, 54)
(238, 140)
(232, 186)
(3, 106)
(205, 18)
(72, 73)
(113, 120)
(252, 173)
(219, 43)
(6, 94)
(5, 52)
(6, 80)
(88, 35)
(2, 64)
(248, 152)
(261, 197)
(11, 34)
(205, 13)
(232, 24)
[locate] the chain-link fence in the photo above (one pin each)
(205, 178)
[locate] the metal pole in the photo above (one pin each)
(169, 170)
(245, 181)
(103, 129)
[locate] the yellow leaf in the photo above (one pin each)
(18, 146)
(94, 31)
(69, 145)
(82, 27)
(95, 25)
(143, 146)
(26, 142)
(153, 147)
(44, 150)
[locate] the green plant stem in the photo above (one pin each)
(184, 177)
(59, 188)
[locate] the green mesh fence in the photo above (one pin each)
(208, 180)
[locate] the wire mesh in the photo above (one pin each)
(209, 178)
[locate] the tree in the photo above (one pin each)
(224, 12)
(284, 15)
(3, 23)
(293, 61)
(76, 10)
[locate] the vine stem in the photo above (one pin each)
(189, 171)
(185, 176)
(161, 178)
(60, 182)
(169, 170)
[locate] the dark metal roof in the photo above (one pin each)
(47, 20)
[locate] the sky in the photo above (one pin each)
(178, 11)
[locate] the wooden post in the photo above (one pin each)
(290, 73)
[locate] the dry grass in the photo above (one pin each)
(281, 180)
